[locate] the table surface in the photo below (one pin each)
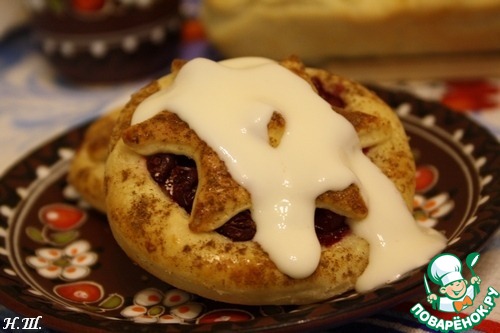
(36, 105)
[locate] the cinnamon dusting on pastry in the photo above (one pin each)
(249, 92)
(162, 237)
(276, 129)
(86, 173)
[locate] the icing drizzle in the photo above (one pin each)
(229, 104)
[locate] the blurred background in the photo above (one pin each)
(71, 58)
(364, 39)
(113, 40)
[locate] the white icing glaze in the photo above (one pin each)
(229, 104)
(397, 243)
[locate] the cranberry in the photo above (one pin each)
(182, 185)
(160, 166)
(332, 97)
(239, 228)
(330, 227)
(177, 175)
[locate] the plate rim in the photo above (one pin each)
(311, 323)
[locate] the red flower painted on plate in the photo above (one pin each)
(425, 178)
(80, 292)
(62, 217)
(88, 5)
(192, 30)
(233, 315)
(470, 95)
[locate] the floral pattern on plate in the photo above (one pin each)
(59, 256)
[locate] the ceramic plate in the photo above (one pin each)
(58, 258)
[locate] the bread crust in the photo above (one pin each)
(158, 234)
(322, 29)
(86, 172)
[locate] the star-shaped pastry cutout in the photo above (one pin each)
(219, 197)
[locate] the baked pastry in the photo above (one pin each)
(318, 30)
(86, 172)
(179, 206)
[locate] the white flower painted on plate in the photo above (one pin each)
(71, 263)
(428, 211)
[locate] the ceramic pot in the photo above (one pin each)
(107, 40)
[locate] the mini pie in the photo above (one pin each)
(175, 210)
(86, 172)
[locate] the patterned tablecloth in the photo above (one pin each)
(36, 105)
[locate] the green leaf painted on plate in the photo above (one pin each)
(56, 5)
(61, 238)
(113, 301)
(156, 310)
(35, 234)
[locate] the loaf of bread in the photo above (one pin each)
(320, 29)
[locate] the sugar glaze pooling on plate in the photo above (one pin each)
(283, 196)
(467, 229)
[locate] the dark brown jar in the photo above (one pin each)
(107, 40)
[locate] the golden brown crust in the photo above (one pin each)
(155, 233)
(186, 251)
(86, 172)
(392, 153)
(125, 117)
(219, 197)
(323, 29)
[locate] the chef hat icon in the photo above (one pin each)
(445, 269)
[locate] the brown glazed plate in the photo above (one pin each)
(59, 260)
